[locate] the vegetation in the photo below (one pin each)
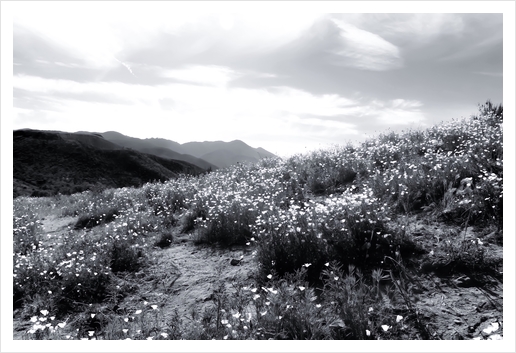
(46, 164)
(333, 233)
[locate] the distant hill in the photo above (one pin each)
(159, 147)
(49, 162)
(207, 154)
(224, 154)
(225, 158)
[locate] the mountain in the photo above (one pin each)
(49, 162)
(224, 158)
(207, 154)
(159, 147)
(224, 154)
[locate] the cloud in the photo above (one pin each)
(366, 50)
(396, 112)
(204, 75)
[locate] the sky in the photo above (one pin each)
(285, 80)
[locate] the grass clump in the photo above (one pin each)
(91, 220)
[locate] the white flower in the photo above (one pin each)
(399, 318)
(44, 312)
(368, 333)
(138, 312)
(269, 276)
(164, 334)
(301, 288)
(386, 327)
(154, 307)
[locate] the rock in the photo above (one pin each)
(235, 262)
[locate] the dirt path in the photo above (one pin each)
(185, 277)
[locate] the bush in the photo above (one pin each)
(91, 220)
(125, 258)
(165, 240)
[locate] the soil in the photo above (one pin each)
(184, 278)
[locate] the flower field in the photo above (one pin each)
(336, 244)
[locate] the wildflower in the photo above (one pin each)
(307, 265)
(125, 330)
(164, 334)
(154, 307)
(386, 327)
(90, 333)
(44, 312)
(138, 312)
(92, 315)
(301, 288)
(318, 305)
(327, 264)
(269, 276)
(34, 319)
(262, 314)
(399, 318)
(61, 324)
(368, 333)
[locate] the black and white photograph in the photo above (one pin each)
(214, 173)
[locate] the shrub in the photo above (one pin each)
(91, 220)
(164, 240)
(125, 258)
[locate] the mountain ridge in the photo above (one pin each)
(203, 154)
(46, 163)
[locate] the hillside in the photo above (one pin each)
(50, 162)
(399, 238)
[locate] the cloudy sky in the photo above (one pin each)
(288, 81)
